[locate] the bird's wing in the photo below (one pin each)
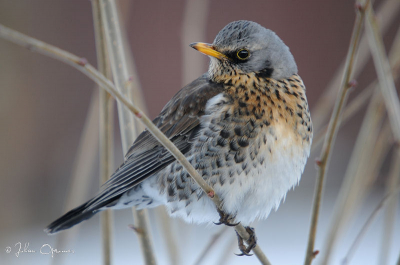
(179, 121)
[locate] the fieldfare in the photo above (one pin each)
(244, 125)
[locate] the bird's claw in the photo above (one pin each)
(251, 242)
(226, 219)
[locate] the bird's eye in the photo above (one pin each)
(243, 54)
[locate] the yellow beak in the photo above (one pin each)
(208, 49)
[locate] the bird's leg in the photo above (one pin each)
(251, 242)
(225, 219)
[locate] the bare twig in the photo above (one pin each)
(162, 218)
(390, 209)
(332, 132)
(356, 104)
(168, 235)
(105, 129)
(382, 140)
(385, 77)
(387, 13)
(210, 244)
(82, 65)
(348, 112)
(381, 150)
(354, 185)
(121, 76)
(224, 257)
(367, 224)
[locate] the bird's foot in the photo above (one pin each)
(226, 219)
(251, 242)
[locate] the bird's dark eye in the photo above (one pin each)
(243, 54)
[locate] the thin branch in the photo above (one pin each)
(382, 140)
(391, 207)
(387, 13)
(169, 235)
(82, 65)
(224, 258)
(367, 224)
(332, 132)
(353, 107)
(162, 218)
(105, 129)
(380, 152)
(355, 183)
(382, 67)
(209, 246)
(121, 76)
(356, 104)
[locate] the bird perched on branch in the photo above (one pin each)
(244, 125)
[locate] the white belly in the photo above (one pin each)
(248, 196)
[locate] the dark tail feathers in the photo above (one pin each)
(70, 219)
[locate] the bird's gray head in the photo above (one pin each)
(248, 47)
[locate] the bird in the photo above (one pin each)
(244, 125)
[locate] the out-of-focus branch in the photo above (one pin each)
(392, 185)
(121, 76)
(354, 185)
(223, 255)
(387, 13)
(105, 129)
(82, 65)
(162, 218)
(210, 245)
(385, 77)
(332, 131)
(348, 112)
(381, 148)
(357, 103)
(369, 221)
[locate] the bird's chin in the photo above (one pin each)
(217, 69)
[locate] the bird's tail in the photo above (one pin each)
(71, 218)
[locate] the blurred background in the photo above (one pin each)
(44, 104)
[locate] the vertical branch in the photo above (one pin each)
(122, 82)
(354, 184)
(361, 165)
(387, 12)
(394, 177)
(210, 245)
(385, 77)
(162, 218)
(224, 254)
(105, 129)
(381, 149)
(332, 132)
(390, 209)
